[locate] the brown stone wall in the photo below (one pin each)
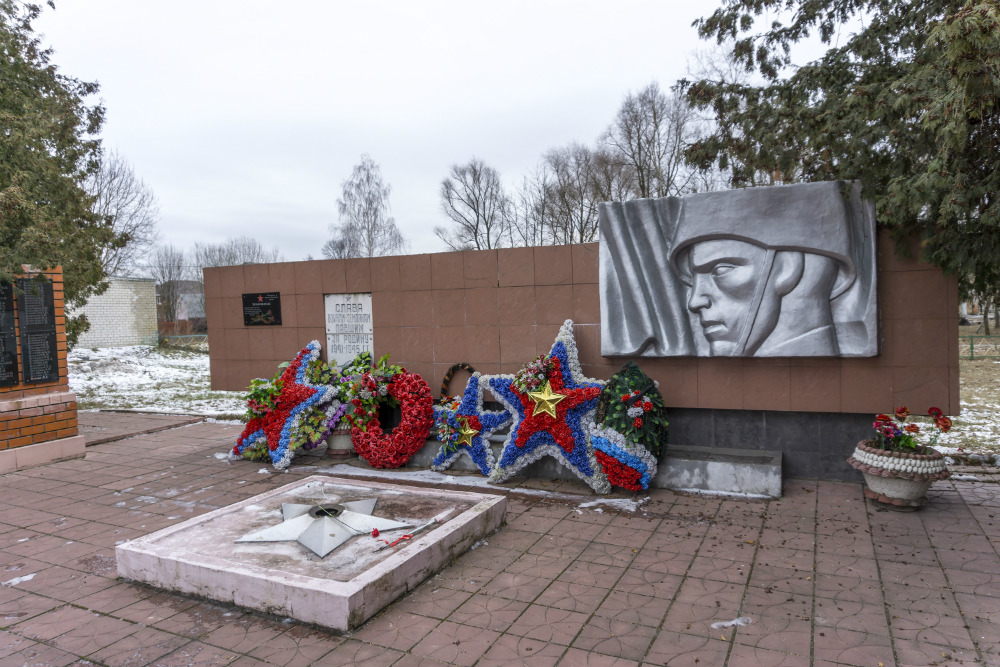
(35, 413)
(497, 309)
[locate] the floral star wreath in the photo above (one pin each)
(464, 426)
(280, 412)
(551, 402)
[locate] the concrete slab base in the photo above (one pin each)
(720, 470)
(29, 456)
(341, 591)
(684, 468)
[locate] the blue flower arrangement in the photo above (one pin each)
(455, 421)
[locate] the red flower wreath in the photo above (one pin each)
(394, 449)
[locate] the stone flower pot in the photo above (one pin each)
(339, 445)
(898, 479)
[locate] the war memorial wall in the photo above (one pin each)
(829, 332)
(38, 412)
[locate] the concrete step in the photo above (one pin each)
(720, 470)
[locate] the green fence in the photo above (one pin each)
(979, 347)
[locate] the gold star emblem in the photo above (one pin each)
(546, 400)
(466, 433)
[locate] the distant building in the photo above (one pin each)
(124, 315)
(181, 307)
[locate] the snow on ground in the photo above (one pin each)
(150, 379)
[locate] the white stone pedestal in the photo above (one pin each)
(200, 556)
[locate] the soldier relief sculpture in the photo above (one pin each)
(785, 271)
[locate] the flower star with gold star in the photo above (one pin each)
(550, 422)
(546, 400)
(473, 427)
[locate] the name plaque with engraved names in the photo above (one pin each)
(8, 337)
(37, 315)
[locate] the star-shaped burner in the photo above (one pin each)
(323, 528)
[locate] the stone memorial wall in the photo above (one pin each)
(497, 309)
(38, 421)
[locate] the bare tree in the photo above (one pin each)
(650, 133)
(572, 214)
(128, 206)
(530, 210)
(166, 267)
(336, 248)
(365, 228)
(613, 179)
(475, 200)
(232, 252)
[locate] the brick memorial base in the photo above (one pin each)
(38, 418)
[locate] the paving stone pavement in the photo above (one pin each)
(825, 578)
(98, 427)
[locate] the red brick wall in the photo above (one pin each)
(497, 309)
(40, 412)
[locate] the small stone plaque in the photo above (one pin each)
(349, 328)
(8, 337)
(37, 315)
(262, 309)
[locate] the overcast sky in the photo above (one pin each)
(246, 117)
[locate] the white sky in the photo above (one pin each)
(246, 117)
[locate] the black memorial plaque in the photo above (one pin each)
(8, 337)
(37, 314)
(262, 309)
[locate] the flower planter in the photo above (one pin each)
(898, 479)
(339, 445)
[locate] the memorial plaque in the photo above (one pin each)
(8, 337)
(349, 330)
(262, 309)
(37, 315)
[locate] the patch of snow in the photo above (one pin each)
(150, 379)
(17, 580)
(726, 494)
(625, 504)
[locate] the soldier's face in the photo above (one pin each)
(724, 275)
